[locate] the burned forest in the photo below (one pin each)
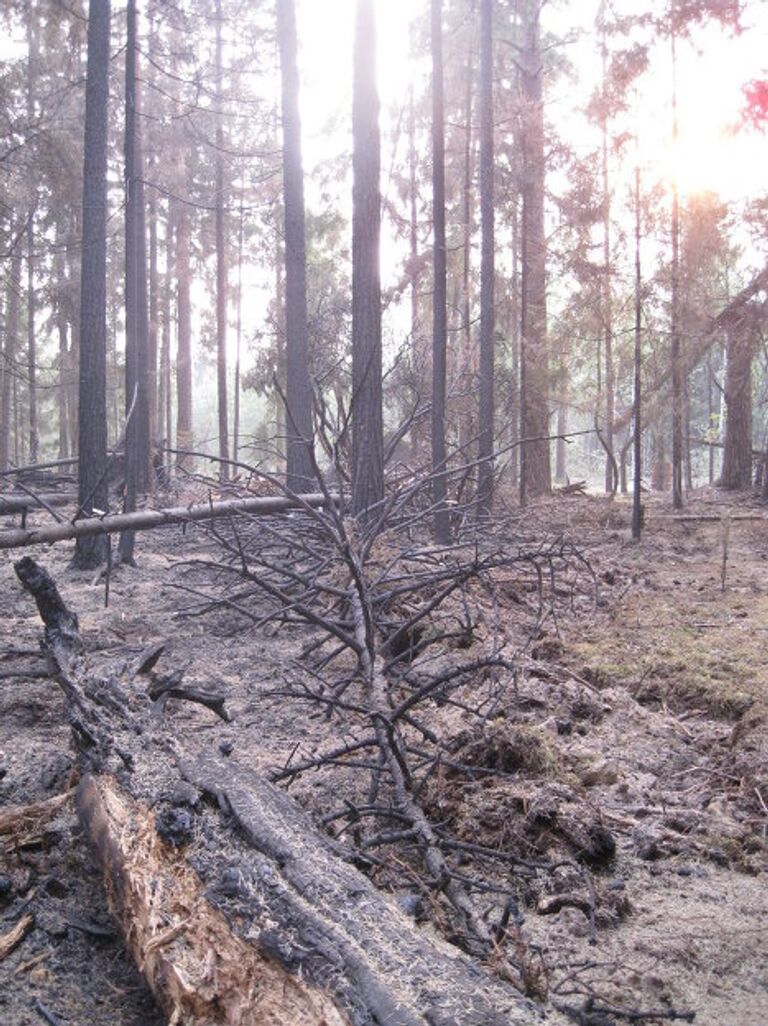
(383, 513)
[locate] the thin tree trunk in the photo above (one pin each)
(367, 413)
(92, 399)
(710, 419)
(184, 432)
(221, 263)
(561, 447)
(32, 61)
(442, 526)
(487, 266)
(137, 449)
(163, 413)
(298, 416)
(31, 341)
(239, 334)
(468, 361)
(637, 500)
(154, 323)
(675, 354)
(610, 380)
(8, 398)
(535, 470)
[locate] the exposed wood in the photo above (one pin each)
(200, 972)
(14, 937)
(145, 520)
(23, 818)
(294, 933)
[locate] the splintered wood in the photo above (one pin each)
(11, 940)
(199, 971)
(24, 824)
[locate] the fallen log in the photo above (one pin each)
(147, 519)
(237, 909)
(14, 503)
(33, 467)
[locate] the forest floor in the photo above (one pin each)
(648, 705)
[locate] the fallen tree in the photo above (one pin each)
(14, 503)
(147, 519)
(268, 921)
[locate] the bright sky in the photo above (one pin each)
(711, 73)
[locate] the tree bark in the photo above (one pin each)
(147, 520)
(184, 430)
(137, 441)
(7, 385)
(221, 262)
(485, 418)
(298, 393)
(675, 353)
(92, 391)
(737, 455)
(298, 934)
(367, 413)
(31, 337)
(442, 525)
(535, 470)
(637, 499)
(611, 483)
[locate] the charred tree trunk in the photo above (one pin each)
(31, 337)
(300, 935)
(92, 392)
(611, 483)
(184, 432)
(367, 413)
(7, 386)
(468, 359)
(137, 447)
(737, 455)
(442, 527)
(298, 415)
(535, 468)
(675, 351)
(486, 432)
(637, 499)
(221, 263)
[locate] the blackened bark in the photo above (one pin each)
(31, 341)
(466, 429)
(675, 353)
(221, 264)
(367, 415)
(737, 455)
(637, 500)
(8, 384)
(155, 428)
(239, 334)
(535, 470)
(487, 265)
(298, 415)
(92, 391)
(31, 338)
(440, 289)
(184, 432)
(137, 448)
(611, 483)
